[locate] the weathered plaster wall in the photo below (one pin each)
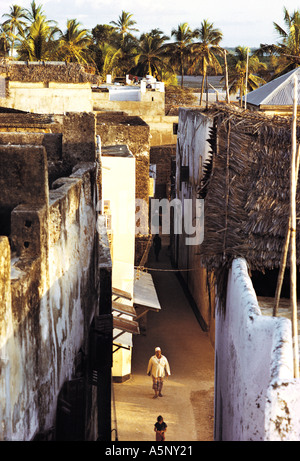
(161, 128)
(48, 98)
(256, 397)
(119, 129)
(192, 151)
(48, 285)
(162, 156)
(68, 139)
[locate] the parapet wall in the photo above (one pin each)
(149, 103)
(67, 139)
(116, 129)
(256, 396)
(46, 87)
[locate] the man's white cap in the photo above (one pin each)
(157, 349)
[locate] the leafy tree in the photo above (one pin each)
(180, 49)
(103, 33)
(14, 24)
(205, 51)
(74, 43)
(128, 53)
(237, 67)
(104, 37)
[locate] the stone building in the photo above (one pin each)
(59, 308)
(55, 281)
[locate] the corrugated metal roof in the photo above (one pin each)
(278, 92)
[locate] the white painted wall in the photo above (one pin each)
(124, 93)
(54, 98)
(256, 397)
(118, 187)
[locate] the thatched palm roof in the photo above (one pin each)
(44, 71)
(247, 190)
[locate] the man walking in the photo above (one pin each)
(158, 367)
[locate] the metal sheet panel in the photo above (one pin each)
(277, 92)
(144, 292)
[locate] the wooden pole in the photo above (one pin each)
(226, 77)
(293, 258)
(247, 66)
(282, 268)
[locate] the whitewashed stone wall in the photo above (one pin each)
(256, 396)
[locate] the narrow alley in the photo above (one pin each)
(187, 405)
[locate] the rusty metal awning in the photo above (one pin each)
(144, 293)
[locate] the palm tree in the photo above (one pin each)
(34, 11)
(38, 43)
(289, 48)
(125, 24)
(110, 58)
(285, 55)
(152, 53)
(74, 43)
(14, 24)
(240, 65)
(206, 51)
(180, 49)
(128, 57)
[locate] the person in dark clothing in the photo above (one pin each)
(160, 428)
(157, 245)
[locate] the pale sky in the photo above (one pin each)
(245, 23)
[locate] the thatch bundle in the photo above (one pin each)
(247, 192)
(60, 72)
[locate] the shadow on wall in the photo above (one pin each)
(265, 283)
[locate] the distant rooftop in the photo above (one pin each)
(277, 92)
(48, 71)
(116, 151)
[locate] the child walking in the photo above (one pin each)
(160, 427)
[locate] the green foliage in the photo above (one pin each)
(204, 52)
(73, 44)
(284, 55)
(239, 64)
(114, 49)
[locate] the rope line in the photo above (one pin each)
(145, 269)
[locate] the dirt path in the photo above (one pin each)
(188, 395)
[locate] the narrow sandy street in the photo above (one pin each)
(188, 395)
